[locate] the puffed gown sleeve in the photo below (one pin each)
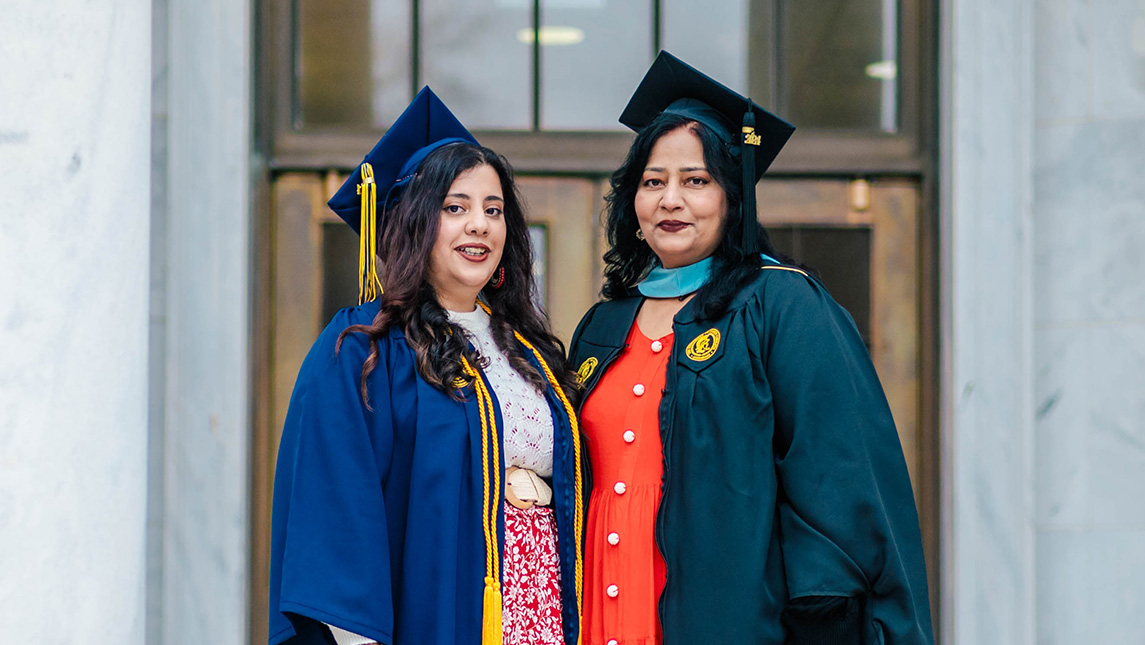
(330, 556)
(852, 547)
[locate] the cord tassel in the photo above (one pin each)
(491, 626)
(748, 142)
(369, 286)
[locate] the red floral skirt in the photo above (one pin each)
(531, 581)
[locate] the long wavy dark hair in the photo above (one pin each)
(408, 301)
(629, 259)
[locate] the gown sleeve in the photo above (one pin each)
(330, 554)
(851, 543)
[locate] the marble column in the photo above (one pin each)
(988, 424)
(74, 239)
(206, 321)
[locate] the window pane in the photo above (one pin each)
(711, 37)
(475, 58)
(353, 61)
(840, 64)
(594, 53)
(539, 241)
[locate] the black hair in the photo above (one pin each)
(629, 259)
(408, 233)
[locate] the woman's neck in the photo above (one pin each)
(459, 302)
(656, 315)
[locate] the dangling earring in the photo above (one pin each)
(640, 234)
(500, 273)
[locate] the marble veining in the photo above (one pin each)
(205, 578)
(1089, 206)
(1063, 59)
(1091, 442)
(1090, 587)
(989, 574)
(1119, 58)
(73, 301)
(1090, 342)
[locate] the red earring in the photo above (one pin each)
(500, 278)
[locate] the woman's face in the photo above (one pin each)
(470, 239)
(680, 207)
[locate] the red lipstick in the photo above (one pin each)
(473, 252)
(672, 225)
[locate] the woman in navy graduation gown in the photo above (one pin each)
(428, 487)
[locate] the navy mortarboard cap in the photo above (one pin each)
(424, 126)
(756, 135)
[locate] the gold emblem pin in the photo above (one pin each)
(750, 137)
(703, 346)
(586, 368)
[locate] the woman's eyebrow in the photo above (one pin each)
(684, 169)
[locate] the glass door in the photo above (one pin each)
(543, 86)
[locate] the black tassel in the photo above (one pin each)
(748, 142)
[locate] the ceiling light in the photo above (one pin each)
(553, 35)
(884, 70)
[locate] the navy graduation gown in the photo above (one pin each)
(377, 510)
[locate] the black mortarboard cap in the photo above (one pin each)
(753, 133)
(671, 85)
(425, 125)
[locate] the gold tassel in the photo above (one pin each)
(491, 630)
(369, 286)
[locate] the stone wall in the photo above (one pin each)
(1089, 324)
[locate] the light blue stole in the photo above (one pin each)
(680, 281)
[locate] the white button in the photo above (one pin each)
(638, 389)
(657, 346)
(629, 436)
(612, 591)
(614, 538)
(619, 488)
(612, 641)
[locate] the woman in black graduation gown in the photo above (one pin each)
(419, 411)
(735, 388)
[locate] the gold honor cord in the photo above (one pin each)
(782, 268)
(369, 286)
(491, 629)
(578, 487)
(578, 484)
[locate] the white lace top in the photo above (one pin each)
(525, 414)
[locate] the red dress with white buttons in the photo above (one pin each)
(624, 571)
